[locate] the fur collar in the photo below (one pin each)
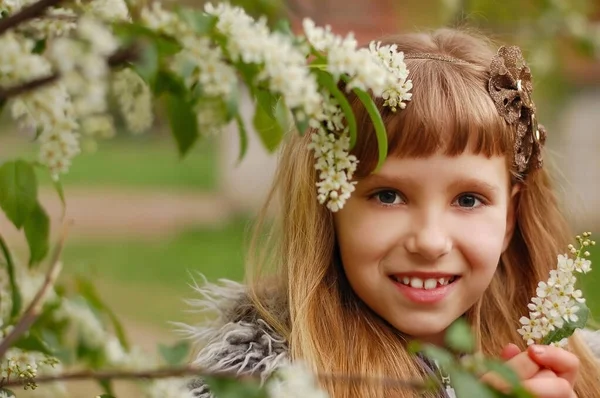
(237, 340)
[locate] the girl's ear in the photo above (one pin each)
(511, 215)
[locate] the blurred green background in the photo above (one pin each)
(144, 271)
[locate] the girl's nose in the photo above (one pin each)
(429, 240)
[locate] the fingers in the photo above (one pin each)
(562, 362)
(510, 351)
(544, 374)
(523, 366)
(549, 388)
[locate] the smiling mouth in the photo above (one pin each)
(425, 283)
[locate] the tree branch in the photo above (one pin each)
(199, 372)
(26, 13)
(120, 57)
(6, 93)
(34, 309)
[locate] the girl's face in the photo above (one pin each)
(420, 239)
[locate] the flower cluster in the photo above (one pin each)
(380, 69)
(330, 144)
(398, 90)
(294, 381)
(283, 64)
(24, 366)
(557, 299)
(47, 111)
(134, 98)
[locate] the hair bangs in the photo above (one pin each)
(450, 112)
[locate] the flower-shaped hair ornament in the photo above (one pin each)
(510, 87)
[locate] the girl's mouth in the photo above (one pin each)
(425, 290)
(424, 283)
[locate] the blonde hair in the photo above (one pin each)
(326, 325)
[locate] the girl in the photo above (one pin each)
(461, 220)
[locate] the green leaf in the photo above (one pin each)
(10, 267)
(39, 47)
(18, 191)
(176, 354)
(37, 231)
(301, 125)
(61, 194)
(248, 73)
(168, 82)
(243, 137)
(184, 125)
(107, 386)
(508, 375)
(283, 26)
(106, 396)
(459, 337)
(326, 80)
(223, 387)
(203, 24)
(438, 354)
(133, 32)
(33, 342)
(231, 104)
(7, 391)
(375, 116)
(268, 101)
(268, 128)
(467, 385)
(147, 63)
(90, 293)
(569, 327)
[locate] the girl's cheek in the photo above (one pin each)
(481, 238)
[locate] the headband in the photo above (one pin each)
(510, 88)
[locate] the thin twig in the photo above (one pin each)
(6, 93)
(34, 309)
(199, 372)
(29, 12)
(120, 57)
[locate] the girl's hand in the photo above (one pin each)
(545, 371)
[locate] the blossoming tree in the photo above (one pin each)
(61, 63)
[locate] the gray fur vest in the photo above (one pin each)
(237, 340)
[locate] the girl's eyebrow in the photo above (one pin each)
(476, 184)
(467, 183)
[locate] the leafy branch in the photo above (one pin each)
(34, 309)
(26, 13)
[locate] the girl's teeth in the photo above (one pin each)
(426, 284)
(430, 284)
(416, 283)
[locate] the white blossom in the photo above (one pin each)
(283, 64)
(109, 10)
(207, 67)
(294, 381)
(25, 365)
(380, 69)
(81, 316)
(169, 388)
(163, 21)
(134, 98)
(46, 111)
(557, 299)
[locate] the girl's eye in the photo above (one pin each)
(468, 201)
(388, 197)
